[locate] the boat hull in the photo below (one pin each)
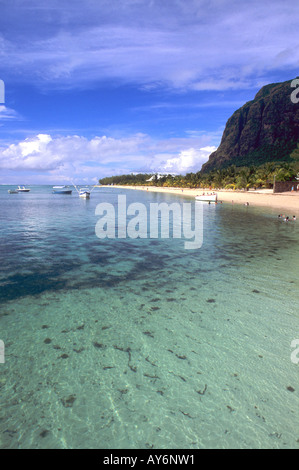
(85, 195)
(61, 191)
(207, 197)
(23, 190)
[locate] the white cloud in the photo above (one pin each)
(42, 152)
(76, 157)
(8, 114)
(188, 160)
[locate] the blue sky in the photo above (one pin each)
(101, 87)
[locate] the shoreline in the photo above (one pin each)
(288, 201)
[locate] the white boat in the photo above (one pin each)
(62, 190)
(84, 193)
(22, 189)
(208, 197)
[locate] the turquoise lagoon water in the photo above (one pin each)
(123, 343)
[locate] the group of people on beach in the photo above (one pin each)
(286, 218)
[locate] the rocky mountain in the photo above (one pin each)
(264, 129)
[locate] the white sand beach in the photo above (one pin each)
(288, 201)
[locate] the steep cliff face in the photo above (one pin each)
(264, 129)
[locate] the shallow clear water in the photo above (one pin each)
(141, 343)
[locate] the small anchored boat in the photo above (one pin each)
(62, 190)
(209, 197)
(22, 189)
(84, 192)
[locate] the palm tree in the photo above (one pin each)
(265, 174)
(218, 178)
(285, 173)
(246, 179)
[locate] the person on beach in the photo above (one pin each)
(294, 217)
